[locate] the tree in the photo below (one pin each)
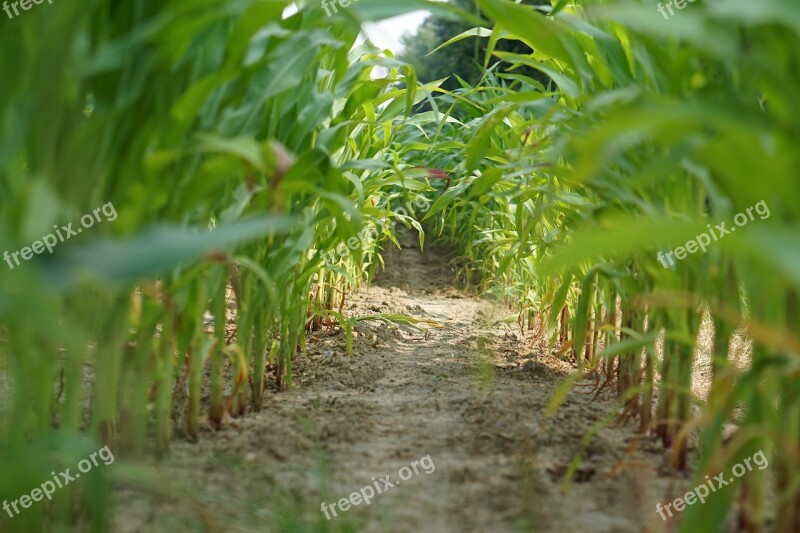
(464, 58)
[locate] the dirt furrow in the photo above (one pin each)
(465, 401)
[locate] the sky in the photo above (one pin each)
(387, 33)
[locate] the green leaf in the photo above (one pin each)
(157, 251)
(541, 33)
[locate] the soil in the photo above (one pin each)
(465, 400)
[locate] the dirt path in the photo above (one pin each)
(468, 398)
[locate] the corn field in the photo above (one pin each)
(232, 147)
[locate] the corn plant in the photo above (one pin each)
(236, 145)
(647, 134)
